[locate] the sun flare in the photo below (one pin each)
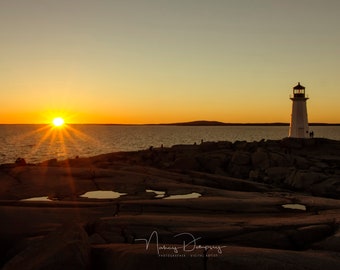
(58, 122)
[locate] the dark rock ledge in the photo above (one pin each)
(263, 205)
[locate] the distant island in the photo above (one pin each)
(217, 123)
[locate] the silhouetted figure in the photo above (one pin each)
(311, 134)
(20, 161)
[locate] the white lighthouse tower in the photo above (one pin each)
(299, 119)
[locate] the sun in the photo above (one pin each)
(58, 122)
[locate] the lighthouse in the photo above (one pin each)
(299, 119)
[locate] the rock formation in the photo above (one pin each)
(263, 205)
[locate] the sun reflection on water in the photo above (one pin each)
(60, 142)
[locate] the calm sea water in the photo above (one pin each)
(37, 143)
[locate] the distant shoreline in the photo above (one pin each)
(216, 123)
(193, 123)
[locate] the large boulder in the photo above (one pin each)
(260, 159)
(317, 183)
(241, 158)
(303, 180)
(239, 171)
(213, 163)
(278, 159)
(329, 187)
(301, 163)
(189, 163)
(277, 174)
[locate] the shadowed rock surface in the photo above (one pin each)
(263, 205)
(65, 248)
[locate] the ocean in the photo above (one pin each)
(36, 143)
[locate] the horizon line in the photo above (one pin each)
(189, 123)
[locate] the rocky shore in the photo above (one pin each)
(214, 205)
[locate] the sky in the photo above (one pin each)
(158, 61)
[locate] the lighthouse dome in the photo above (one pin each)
(299, 87)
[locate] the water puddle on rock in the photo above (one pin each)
(102, 194)
(37, 199)
(159, 194)
(295, 206)
(193, 195)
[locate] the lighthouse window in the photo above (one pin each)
(299, 92)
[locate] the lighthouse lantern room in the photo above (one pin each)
(299, 119)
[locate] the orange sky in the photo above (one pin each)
(159, 62)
